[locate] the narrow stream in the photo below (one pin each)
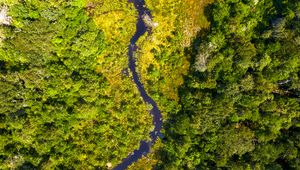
(141, 29)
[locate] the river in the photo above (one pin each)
(141, 29)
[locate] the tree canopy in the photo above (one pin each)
(224, 73)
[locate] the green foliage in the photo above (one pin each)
(55, 109)
(240, 100)
(230, 98)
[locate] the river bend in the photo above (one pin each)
(141, 29)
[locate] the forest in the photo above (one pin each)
(224, 74)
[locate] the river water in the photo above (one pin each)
(141, 29)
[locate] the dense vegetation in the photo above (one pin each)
(59, 108)
(225, 75)
(240, 100)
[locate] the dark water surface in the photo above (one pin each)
(141, 29)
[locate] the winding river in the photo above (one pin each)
(141, 29)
